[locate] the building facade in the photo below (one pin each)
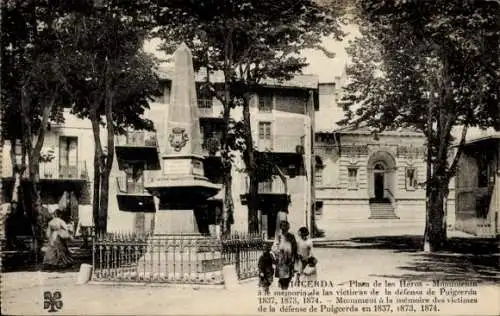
(478, 192)
(364, 179)
(281, 127)
(66, 166)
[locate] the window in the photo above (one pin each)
(265, 136)
(135, 138)
(205, 100)
(265, 102)
(485, 175)
(266, 187)
(68, 157)
(135, 178)
(353, 177)
(211, 135)
(318, 176)
(411, 179)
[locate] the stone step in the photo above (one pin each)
(382, 208)
(388, 216)
(390, 208)
(382, 211)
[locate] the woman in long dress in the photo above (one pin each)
(285, 251)
(57, 254)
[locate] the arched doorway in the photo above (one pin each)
(381, 175)
(379, 180)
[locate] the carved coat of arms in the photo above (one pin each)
(178, 138)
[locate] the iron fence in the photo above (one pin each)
(181, 259)
(243, 251)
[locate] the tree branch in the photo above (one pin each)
(451, 171)
(94, 119)
(282, 177)
(43, 129)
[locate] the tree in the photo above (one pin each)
(34, 45)
(112, 82)
(431, 66)
(248, 41)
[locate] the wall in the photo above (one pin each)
(330, 111)
(126, 221)
(467, 192)
(344, 205)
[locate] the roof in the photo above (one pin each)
(483, 139)
(298, 81)
(475, 135)
(365, 130)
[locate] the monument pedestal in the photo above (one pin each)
(178, 253)
(175, 222)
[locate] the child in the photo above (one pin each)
(304, 248)
(309, 272)
(266, 270)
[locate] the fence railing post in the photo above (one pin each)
(238, 259)
(93, 257)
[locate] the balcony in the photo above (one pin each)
(282, 144)
(137, 147)
(286, 151)
(54, 171)
(207, 109)
(271, 192)
(132, 197)
(54, 180)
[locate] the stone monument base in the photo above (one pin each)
(181, 259)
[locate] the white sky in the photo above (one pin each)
(319, 64)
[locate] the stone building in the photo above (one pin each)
(477, 188)
(363, 179)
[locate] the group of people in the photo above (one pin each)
(287, 257)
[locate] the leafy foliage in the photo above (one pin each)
(247, 40)
(430, 66)
(33, 48)
(409, 48)
(114, 56)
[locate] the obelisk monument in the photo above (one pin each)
(182, 185)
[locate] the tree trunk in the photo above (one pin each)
(253, 191)
(228, 207)
(99, 220)
(96, 193)
(36, 207)
(103, 202)
(227, 179)
(17, 171)
(253, 204)
(435, 234)
(17, 194)
(436, 196)
(106, 171)
(227, 212)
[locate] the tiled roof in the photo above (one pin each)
(299, 81)
(475, 135)
(363, 130)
